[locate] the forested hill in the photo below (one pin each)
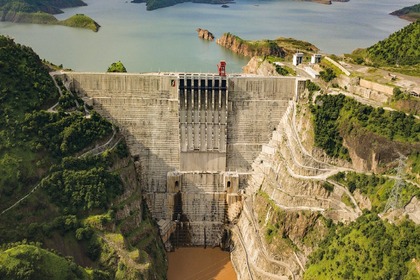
(31, 6)
(40, 12)
(411, 13)
(156, 4)
(401, 47)
(56, 188)
(399, 52)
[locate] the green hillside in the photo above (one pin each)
(81, 21)
(411, 13)
(41, 12)
(31, 262)
(397, 53)
(368, 248)
(31, 6)
(400, 48)
(53, 191)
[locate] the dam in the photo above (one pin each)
(193, 137)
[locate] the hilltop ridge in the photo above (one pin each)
(411, 13)
(26, 11)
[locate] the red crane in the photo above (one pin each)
(222, 68)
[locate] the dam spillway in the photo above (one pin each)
(193, 138)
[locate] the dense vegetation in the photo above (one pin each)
(368, 248)
(327, 135)
(411, 13)
(73, 195)
(117, 67)
(82, 184)
(399, 48)
(333, 113)
(399, 52)
(376, 188)
(64, 134)
(29, 261)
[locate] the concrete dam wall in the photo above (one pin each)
(193, 137)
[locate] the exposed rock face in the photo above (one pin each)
(288, 209)
(249, 48)
(373, 153)
(205, 34)
(259, 66)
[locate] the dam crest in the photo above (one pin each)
(193, 137)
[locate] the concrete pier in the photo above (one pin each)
(193, 138)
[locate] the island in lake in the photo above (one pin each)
(26, 11)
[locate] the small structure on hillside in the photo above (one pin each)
(297, 58)
(316, 58)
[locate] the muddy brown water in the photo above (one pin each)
(194, 263)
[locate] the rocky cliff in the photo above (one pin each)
(260, 66)
(293, 205)
(250, 48)
(205, 34)
(287, 212)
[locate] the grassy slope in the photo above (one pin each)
(81, 21)
(399, 52)
(32, 262)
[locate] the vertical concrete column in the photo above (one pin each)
(216, 106)
(203, 98)
(189, 115)
(183, 119)
(209, 119)
(216, 135)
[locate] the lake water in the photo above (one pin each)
(166, 40)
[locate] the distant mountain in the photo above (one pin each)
(41, 12)
(156, 4)
(411, 13)
(32, 6)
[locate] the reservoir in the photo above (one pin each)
(166, 39)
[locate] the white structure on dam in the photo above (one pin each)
(193, 137)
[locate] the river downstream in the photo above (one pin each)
(195, 263)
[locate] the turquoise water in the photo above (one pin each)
(166, 40)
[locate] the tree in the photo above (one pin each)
(117, 67)
(327, 75)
